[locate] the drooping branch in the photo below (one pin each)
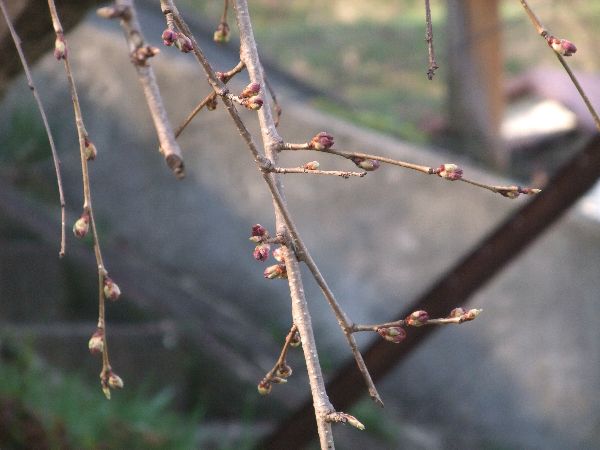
(429, 39)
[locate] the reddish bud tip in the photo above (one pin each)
(392, 334)
(264, 387)
(112, 291)
(60, 48)
(417, 319)
(261, 252)
(183, 43)
(259, 230)
(221, 34)
(563, 47)
(321, 141)
(275, 272)
(96, 342)
(169, 37)
(82, 226)
(366, 164)
(251, 90)
(450, 172)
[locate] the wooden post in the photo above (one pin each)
(475, 77)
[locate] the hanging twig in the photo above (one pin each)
(429, 39)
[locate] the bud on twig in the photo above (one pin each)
(563, 47)
(417, 319)
(450, 172)
(366, 164)
(295, 341)
(252, 103)
(284, 371)
(392, 334)
(183, 43)
(321, 141)
(211, 104)
(60, 47)
(261, 252)
(221, 34)
(457, 312)
(96, 342)
(82, 226)
(115, 381)
(112, 291)
(169, 37)
(311, 165)
(276, 271)
(89, 150)
(250, 91)
(264, 387)
(259, 233)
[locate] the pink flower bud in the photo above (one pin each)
(450, 172)
(259, 233)
(321, 141)
(311, 165)
(221, 35)
(366, 164)
(563, 47)
(253, 103)
(112, 291)
(169, 37)
(276, 271)
(183, 43)
(96, 342)
(417, 319)
(251, 90)
(82, 226)
(60, 47)
(392, 334)
(457, 312)
(261, 252)
(264, 387)
(278, 254)
(115, 381)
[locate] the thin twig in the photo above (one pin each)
(458, 319)
(429, 39)
(543, 32)
(38, 100)
(87, 196)
(140, 53)
(278, 370)
(338, 173)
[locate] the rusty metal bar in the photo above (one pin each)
(455, 287)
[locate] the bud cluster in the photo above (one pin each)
(181, 41)
(321, 141)
(110, 380)
(277, 271)
(464, 315)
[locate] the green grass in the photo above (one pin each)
(133, 419)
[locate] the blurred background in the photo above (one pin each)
(198, 326)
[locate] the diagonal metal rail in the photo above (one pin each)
(455, 287)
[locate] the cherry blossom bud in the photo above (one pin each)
(60, 47)
(211, 104)
(417, 319)
(253, 103)
(457, 312)
(115, 381)
(276, 271)
(96, 342)
(82, 226)
(221, 35)
(311, 165)
(284, 371)
(295, 341)
(450, 172)
(392, 334)
(366, 164)
(183, 43)
(259, 233)
(112, 291)
(169, 37)
(321, 141)
(261, 252)
(278, 254)
(264, 387)
(472, 314)
(251, 90)
(89, 150)
(563, 47)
